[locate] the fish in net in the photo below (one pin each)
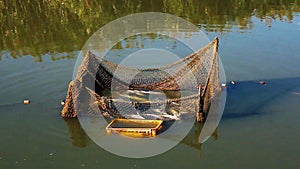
(179, 90)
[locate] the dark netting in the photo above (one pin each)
(134, 87)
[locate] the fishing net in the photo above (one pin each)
(182, 89)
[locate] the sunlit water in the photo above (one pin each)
(259, 129)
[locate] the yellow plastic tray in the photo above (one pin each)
(134, 127)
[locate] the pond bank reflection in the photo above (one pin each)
(44, 27)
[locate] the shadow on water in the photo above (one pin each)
(248, 98)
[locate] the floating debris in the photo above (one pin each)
(262, 82)
(63, 102)
(26, 101)
(233, 82)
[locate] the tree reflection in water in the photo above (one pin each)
(44, 27)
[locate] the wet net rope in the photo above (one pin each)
(198, 73)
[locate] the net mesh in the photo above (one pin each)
(166, 92)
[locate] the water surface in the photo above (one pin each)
(259, 40)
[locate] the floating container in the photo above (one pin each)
(224, 85)
(26, 101)
(63, 102)
(134, 127)
(262, 82)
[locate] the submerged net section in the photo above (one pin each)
(143, 108)
(197, 72)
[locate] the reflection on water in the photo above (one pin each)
(80, 139)
(44, 27)
(77, 134)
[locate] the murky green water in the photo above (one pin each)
(259, 40)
